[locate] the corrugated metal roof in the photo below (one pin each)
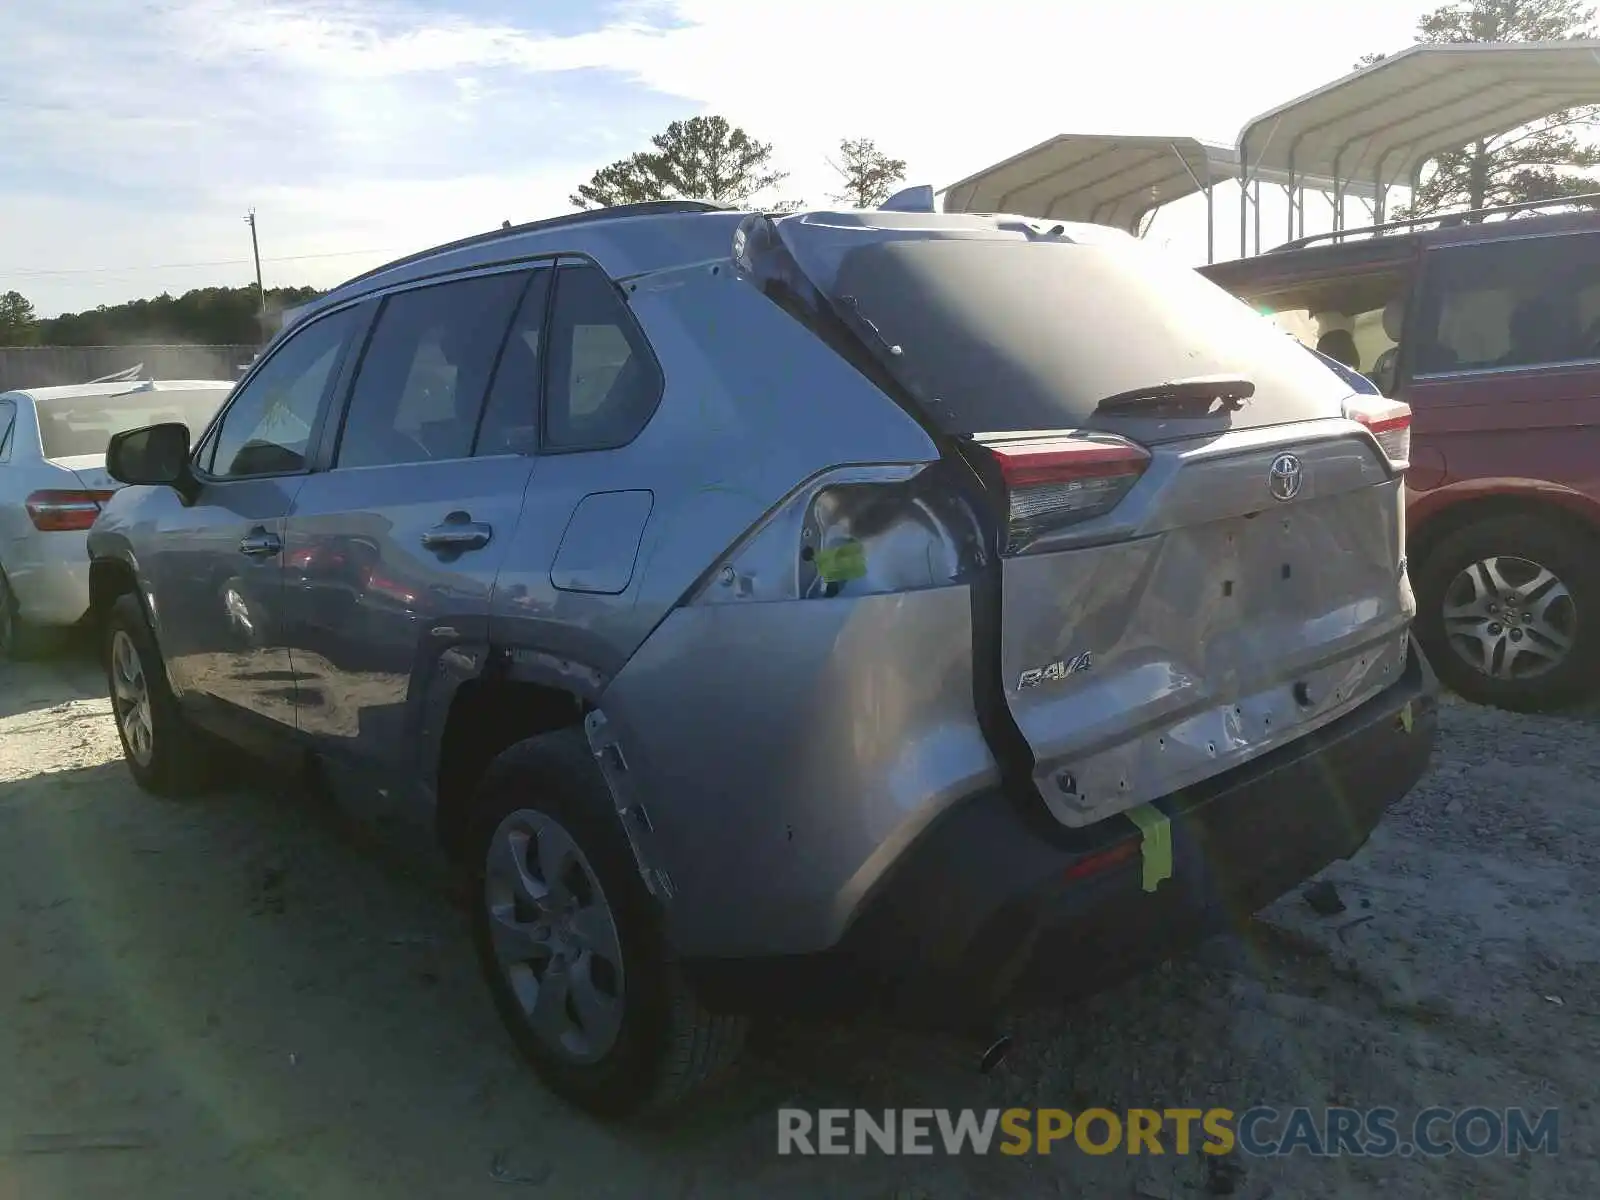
(1106, 179)
(1377, 124)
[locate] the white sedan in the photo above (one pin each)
(52, 483)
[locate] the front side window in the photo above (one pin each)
(1524, 302)
(603, 383)
(267, 427)
(423, 378)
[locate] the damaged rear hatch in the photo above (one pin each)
(1197, 522)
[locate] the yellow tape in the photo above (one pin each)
(1156, 851)
(1405, 717)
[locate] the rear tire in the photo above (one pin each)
(570, 941)
(165, 753)
(1522, 594)
(21, 640)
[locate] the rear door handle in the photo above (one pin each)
(258, 543)
(457, 532)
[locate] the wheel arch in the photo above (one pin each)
(1436, 515)
(110, 579)
(518, 693)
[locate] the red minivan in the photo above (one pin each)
(1490, 330)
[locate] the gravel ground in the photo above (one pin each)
(237, 996)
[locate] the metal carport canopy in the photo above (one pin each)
(1106, 179)
(1101, 178)
(1381, 123)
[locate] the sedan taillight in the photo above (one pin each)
(56, 510)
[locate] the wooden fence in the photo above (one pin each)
(44, 366)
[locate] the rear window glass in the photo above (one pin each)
(993, 336)
(73, 425)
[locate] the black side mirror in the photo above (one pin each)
(154, 454)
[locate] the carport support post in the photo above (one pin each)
(1207, 188)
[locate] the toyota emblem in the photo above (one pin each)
(1284, 477)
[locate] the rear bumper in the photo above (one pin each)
(49, 575)
(986, 903)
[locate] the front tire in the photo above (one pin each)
(570, 941)
(1508, 610)
(165, 753)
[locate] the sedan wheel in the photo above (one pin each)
(130, 699)
(8, 620)
(555, 937)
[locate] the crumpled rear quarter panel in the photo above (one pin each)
(787, 752)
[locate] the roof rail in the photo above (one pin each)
(1444, 220)
(616, 212)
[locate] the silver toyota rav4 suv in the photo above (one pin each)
(802, 610)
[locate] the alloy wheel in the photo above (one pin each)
(1509, 618)
(554, 936)
(130, 699)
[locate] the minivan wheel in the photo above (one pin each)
(164, 752)
(570, 943)
(1508, 610)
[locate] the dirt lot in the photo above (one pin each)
(236, 997)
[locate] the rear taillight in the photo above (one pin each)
(1389, 421)
(1058, 481)
(58, 511)
(855, 532)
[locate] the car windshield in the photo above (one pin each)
(74, 425)
(993, 335)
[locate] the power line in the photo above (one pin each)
(32, 272)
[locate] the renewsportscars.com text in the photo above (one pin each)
(1259, 1131)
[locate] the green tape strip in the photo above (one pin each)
(846, 561)
(1406, 720)
(1156, 852)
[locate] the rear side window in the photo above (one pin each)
(510, 423)
(8, 422)
(1526, 302)
(602, 381)
(426, 370)
(267, 425)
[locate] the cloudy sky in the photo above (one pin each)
(137, 133)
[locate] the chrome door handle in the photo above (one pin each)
(457, 535)
(260, 544)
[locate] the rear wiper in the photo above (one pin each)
(1192, 397)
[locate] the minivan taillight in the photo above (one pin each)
(1057, 481)
(1389, 421)
(58, 511)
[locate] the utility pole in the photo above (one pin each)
(261, 292)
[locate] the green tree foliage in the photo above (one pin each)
(18, 325)
(214, 316)
(703, 158)
(869, 175)
(1543, 161)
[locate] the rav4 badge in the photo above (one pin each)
(1055, 671)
